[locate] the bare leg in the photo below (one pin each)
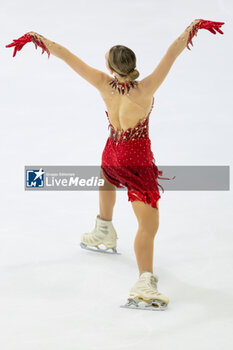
(148, 223)
(107, 199)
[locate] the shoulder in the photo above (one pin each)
(104, 83)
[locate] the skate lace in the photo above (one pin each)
(153, 283)
(149, 285)
(102, 227)
(100, 232)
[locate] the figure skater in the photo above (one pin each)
(127, 158)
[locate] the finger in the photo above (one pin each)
(219, 30)
(10, 45)
(15, 50)
(219, 23)
(211, 30)
(217, 27)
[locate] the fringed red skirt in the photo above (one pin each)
(132, 165)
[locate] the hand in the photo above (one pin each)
(39, 38)
(202, 24)
(192, 24)
(211, 26)
(36, 38)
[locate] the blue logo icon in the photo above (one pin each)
(35, 178)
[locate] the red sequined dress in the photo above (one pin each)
(127, 161)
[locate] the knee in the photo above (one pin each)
(150, 230)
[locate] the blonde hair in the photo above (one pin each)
(122, 60)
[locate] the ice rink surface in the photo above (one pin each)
(53, 294)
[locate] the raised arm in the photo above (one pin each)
(94, 76)
(153, 81)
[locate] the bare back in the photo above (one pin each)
(125, 111)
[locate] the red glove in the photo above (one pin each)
(19, 43)
(203, 24)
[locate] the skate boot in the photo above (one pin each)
(104, 233)
(144, 294)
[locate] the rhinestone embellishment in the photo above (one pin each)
(123, 87)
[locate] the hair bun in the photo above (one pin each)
(131, 70)
(133, 74)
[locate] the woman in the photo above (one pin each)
(128, 111)
(127, 159)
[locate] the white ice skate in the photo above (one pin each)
(104, 233)
(144, 294)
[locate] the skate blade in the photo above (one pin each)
(139, 304)
(99, 250)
